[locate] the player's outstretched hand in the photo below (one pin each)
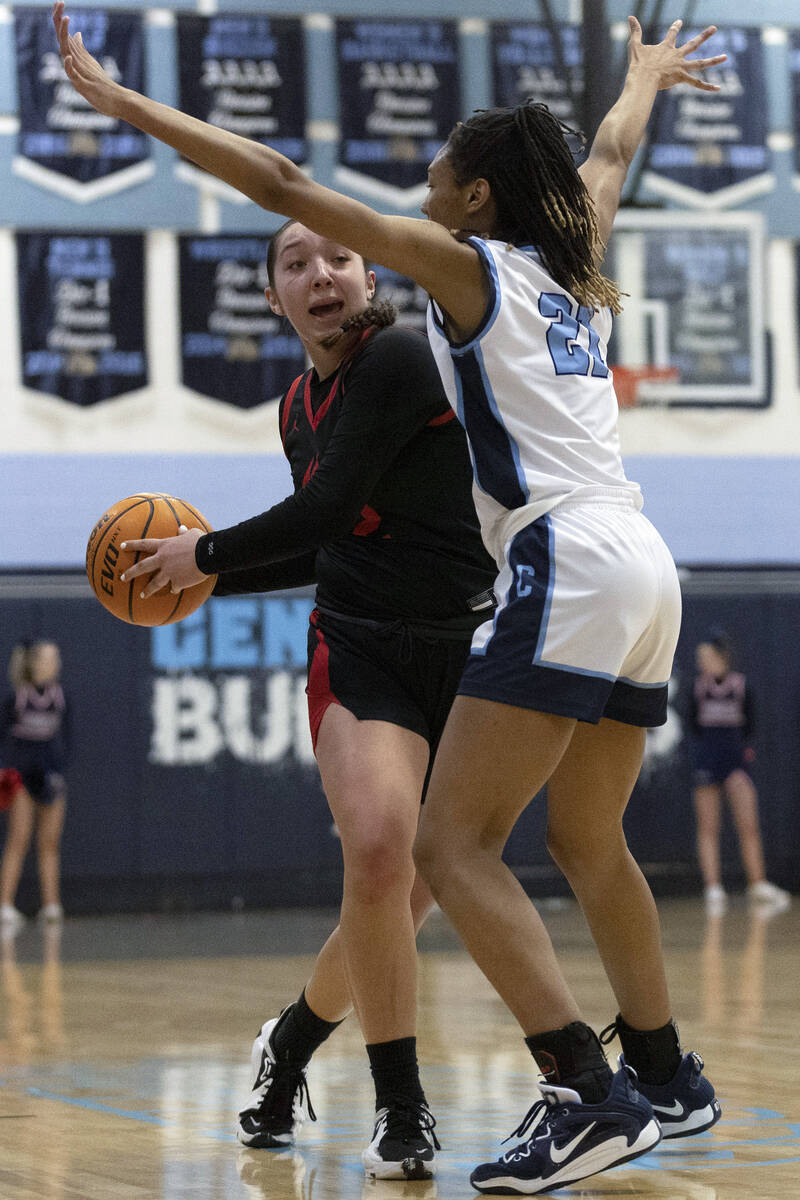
(168, 561)
(82, 69)
(669, 60)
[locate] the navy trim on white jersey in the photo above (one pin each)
(495, 454)
(492, 304)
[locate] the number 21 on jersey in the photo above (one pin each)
(569, 357)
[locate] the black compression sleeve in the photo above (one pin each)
(271, 577)
(392, 390)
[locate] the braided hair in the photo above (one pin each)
(541, 199)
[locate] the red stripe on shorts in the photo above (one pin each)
(318, 688)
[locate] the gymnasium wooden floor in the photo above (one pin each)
(124, 1047)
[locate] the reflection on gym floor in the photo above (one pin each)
(124, 1046)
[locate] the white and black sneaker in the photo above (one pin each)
(687, 1104)
(279, 1101)
(403, 1144)
(571, 1140)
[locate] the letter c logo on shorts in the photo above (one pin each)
(524, 576)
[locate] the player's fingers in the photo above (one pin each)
(143, 567)
(142, 545)
(701, 84)
(698, 39)
(700, 64)
(635, 29)
(673, 31)
(152, 586)
(62, 29)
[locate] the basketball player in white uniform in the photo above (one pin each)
(561, 685)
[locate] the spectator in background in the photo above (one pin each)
(722, 725)
(34, 737)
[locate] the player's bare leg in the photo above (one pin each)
(492, 760)
(744, 807)
(373, 773)
(21, 819)
(49, 827)
(587, 797)
(708, 813)
(328, 989)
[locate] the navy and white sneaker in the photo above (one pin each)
(403, 1143)
(571, 1140)
(279, 1100)
(685, 1105)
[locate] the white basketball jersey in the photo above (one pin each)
(533, 391)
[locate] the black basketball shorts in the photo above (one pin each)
(383, 671)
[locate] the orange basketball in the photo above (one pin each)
(148, 515)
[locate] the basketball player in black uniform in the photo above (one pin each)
(721, 720)
(382, 521)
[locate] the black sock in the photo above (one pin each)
(299, 1032)
(654, 1054)
(395, 1070)
(573, 1057)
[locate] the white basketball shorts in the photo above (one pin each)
(589, 610)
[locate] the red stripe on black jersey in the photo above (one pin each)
(287, 405)
(314, 418)
(443, 419)
(370, 521)
(320, 695)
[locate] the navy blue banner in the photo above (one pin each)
(81, 304)
(233, 348)
(399, 97)
(194, 780)
(794, 67)
(526, 63)
(246, 74)
(60, 134)
(410, 300)
(714, 142)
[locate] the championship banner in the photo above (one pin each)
(233, 347)
(695, 283)
(794, 67)
(81, 305)
(709, 149)
(399, 99)
(410, 300)
(527, 64)
(246, 74)
(63, 144)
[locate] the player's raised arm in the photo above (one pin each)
(651, 69)
(423, 250)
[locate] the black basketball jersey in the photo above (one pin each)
(383, 491)
(722, 703)
(35, 720)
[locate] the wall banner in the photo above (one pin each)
(81, 305)
(246, 74)
(794, 68)
(63, 144)
(233, 347)
(709, 149)
(399, 99)
(526, 63)
(410, 300)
